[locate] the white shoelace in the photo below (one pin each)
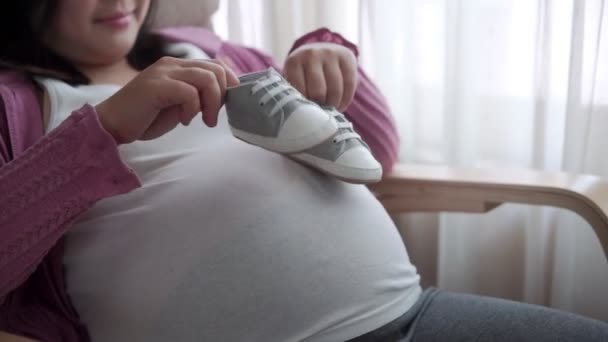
(281, 86)
(293, 94)
(347, 125)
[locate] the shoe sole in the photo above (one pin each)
(289, 145)
(344, 173)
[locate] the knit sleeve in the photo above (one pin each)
(47, 186)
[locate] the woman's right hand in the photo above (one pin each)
(169, 92)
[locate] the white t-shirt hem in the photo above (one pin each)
(395, 310)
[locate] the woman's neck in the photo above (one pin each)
(119, 73)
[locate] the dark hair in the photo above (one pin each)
(22, 23)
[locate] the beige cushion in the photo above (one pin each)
(184, 12)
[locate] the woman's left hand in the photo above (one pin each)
(323, 72)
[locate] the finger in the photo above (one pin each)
(185, 85)
(222, 70)
(209, 90)
(211, 104)
(334, 82)
(294, 74)
(182, 94)
(316, 87)
(190, 104)
(231, 77)
(349, 79)
(164, 122)
(210, 65)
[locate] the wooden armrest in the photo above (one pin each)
(415, 188)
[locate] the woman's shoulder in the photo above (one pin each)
(19, 86)
(20, 108)
(14, 77)
(18, 90)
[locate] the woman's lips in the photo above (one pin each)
(117, 20)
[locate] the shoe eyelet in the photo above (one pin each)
(261, 104)
(335, 141)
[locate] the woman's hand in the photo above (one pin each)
(323, 72)
(168, 92)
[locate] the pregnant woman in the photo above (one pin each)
(124, 217)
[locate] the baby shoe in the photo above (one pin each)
(265, 110)
(346, 156)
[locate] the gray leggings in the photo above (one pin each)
(445, 316)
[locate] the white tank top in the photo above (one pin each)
(228, 242)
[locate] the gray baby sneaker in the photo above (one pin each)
(265, 110)
(346, 156)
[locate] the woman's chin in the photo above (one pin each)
(117, 45)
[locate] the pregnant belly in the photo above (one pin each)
(238, 245)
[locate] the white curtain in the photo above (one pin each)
(479, 83)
